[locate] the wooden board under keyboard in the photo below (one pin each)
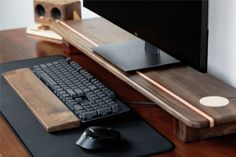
(48, 109)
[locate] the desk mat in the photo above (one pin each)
(141, 139)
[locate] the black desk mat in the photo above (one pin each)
(142, 140)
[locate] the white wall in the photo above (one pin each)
(222, 35)
(19, 13)
(16, 13)
(222, 40)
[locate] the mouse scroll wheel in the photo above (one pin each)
(91, 133)
(91, 130)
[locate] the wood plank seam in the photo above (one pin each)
(208, 117)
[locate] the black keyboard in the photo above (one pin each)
(83, 94)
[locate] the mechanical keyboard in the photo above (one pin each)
(81, 92)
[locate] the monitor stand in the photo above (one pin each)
(134, 55)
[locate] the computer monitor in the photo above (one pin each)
(170, 28)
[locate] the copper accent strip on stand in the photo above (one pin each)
(76, 32)
(209, 118)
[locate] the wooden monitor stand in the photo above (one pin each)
(176, 89)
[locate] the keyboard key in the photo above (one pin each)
(94, 104)
(79, 100)
(110, 94)
(43, 66)
(85, 103)
(71, 93)
(104, 111)
(87, 107)
(72, 104)
(79, 112)
(49, 64)
(97, 107)
(102, 95)
(115, 107)
(79, 92)
(88, 114)
(92, 87)
(78, 107)
(56, 87)
(65, 95)
(86, 90)
(68, 60)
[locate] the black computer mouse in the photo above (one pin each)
(95, 138)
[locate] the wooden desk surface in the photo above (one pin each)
(15, 45)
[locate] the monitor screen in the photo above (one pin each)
(179, 27)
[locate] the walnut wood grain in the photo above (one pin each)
(9, 140)
(46, 107)
(17, 45)
(188, 134)
(181, 80)
(192, 86)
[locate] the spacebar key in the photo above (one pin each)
(47, 79)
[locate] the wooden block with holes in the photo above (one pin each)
(46, 107)
(48, 11)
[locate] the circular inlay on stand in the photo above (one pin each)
(214, 101)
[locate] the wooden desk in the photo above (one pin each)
(16, 45)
